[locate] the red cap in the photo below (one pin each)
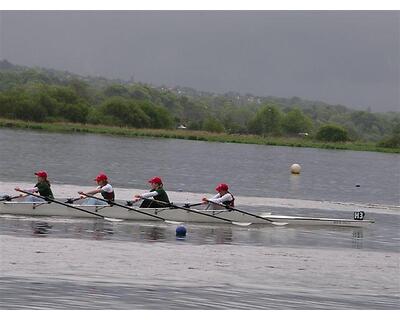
(222, 186)
(101, 176)
(155, 180)
(42, 174)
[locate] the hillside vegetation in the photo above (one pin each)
(43, 95)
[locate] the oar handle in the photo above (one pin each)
(72, 200)
(8, 198)
(189, 205)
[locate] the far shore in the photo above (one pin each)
(64, 127)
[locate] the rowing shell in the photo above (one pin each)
(52, 209)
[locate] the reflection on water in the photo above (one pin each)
(101, 230)
(48, 293)
(223, 235)
(295, 183)
(40, 228)
(152, 233)
(358, 239)
(380, 236)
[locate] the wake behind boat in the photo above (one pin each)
(170, 213)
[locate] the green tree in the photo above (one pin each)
(20, 105)
(63, 94)
(295, 122)
(213, 125)
(139, 92)
(125, 112)
(235, 119)
(81, 88)
(48, 102)
(192, 110)
(267, 121)
(75, 112)
(195, 125)
(116, 90)
(332, 133)
(159, 116)
(393, 141)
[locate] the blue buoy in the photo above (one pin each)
(181, 231)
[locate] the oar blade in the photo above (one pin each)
(113, 219)
(172, 222)
(253, 215)
(242, 224)
(280, 224)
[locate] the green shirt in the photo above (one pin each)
(44, 189)
(161, 196)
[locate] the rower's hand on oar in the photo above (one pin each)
(137, 198)
(20, 190)
(205, 200)
(189, 205)
(82, 194)
(72, 200)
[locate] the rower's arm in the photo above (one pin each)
(148, 194)
(91, 192)
(225, 197)
(35, 189)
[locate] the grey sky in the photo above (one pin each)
(350, 58)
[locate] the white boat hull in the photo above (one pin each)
(171, 214)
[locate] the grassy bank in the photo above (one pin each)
(191, 135)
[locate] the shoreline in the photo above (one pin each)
(64, 127)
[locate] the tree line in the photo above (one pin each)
(50, 96)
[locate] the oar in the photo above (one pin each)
(242, 224)
(73, 207)
(8, 198)
(130, 208)
(189, 205)
(72, 200)
(250, 214)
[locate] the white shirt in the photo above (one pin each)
(149, 194)
(218, 199)
(107, 188)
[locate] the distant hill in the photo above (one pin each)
(42, 94)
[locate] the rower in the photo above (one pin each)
(157, 192)
(42, 187)
(103, 187)
(223, 196)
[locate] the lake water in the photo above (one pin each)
(196, 166)
(50, 263)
